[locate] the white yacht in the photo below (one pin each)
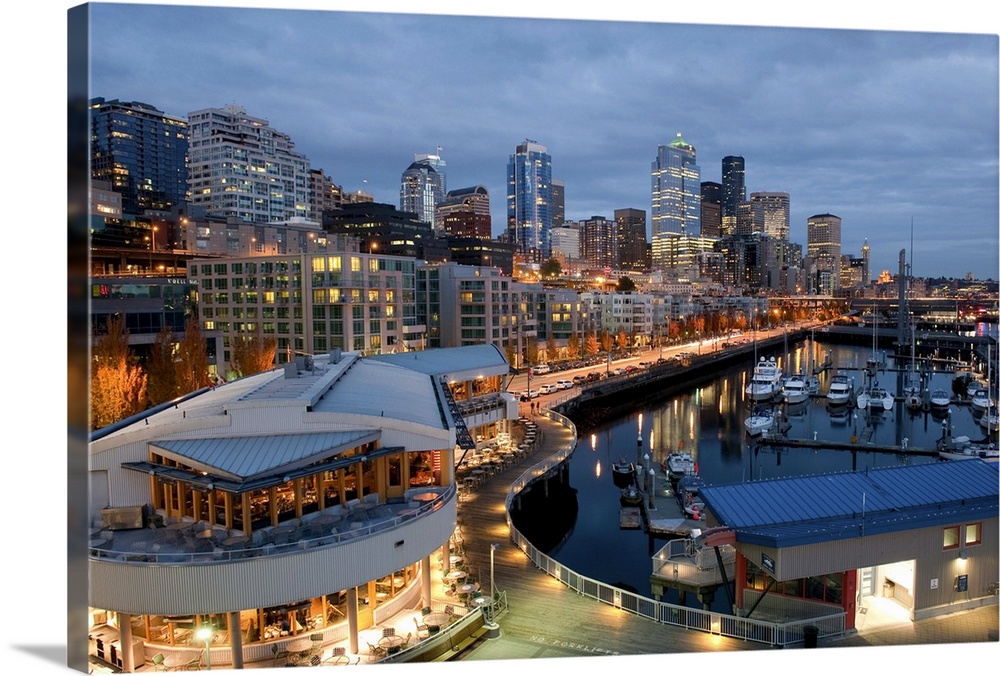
(758, 421)
(764, 384)
(875, 398)
(840, 391)
(795, 390)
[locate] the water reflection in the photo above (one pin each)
(707, 421)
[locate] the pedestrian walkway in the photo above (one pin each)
(548, 619)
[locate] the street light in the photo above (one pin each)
(493, 548)
(205, 634)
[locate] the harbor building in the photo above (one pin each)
(924, 535)
(302, 503)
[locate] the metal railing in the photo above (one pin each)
(761, 631)
(301, 539)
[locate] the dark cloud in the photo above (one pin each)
(875, 126)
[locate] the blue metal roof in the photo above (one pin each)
(825, 507)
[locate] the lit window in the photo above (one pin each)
(974, 534)
(951, 537)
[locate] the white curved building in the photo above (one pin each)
(284, 504)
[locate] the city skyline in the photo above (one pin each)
(817, 114)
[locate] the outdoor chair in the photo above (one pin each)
(158, 662)
(388, 631)
(279, 655)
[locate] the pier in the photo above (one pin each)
(860, 445)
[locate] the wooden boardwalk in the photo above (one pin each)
(546, 618)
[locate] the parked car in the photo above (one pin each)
(564, 384)
(578, 380)
(547, 389)
(541, 369)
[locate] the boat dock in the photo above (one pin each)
(862, 444)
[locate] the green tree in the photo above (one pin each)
(551, 268)
(625, 285)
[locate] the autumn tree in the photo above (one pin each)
(192, 363)
(531, 350)
(551, 349)
(573, 347)
(590, 345)
(607, 340)
(622, 339)
(252, 354)
(118, 383)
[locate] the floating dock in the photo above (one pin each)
(629, 518)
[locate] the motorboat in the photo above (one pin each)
(764, 384)
(840, 391)
(631, 496)
(623, 472)
(689, 496)
(812, 385)
(940, 399)
(990, 421)
(980, 400)
(875, 398)
(679, 464)
(911, 398)
(794, 390)
(962, 448)
(759, 420)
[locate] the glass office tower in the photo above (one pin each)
(141, 152)
(676, 192)
(529, 201)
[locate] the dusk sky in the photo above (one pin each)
(881, 128)
(878, 128)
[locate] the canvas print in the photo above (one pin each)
(415, 338)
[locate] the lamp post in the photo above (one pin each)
(205, 634)
(493, 548)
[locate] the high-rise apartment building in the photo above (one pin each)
(771, 211)
(734, 190)
(823, 251)
(676, 192)
(141, 152)
(599, 242)
(530, 201)
(866, 257)
(423, 186)
(631, 234)
(566, 242)
(324, 195)
(711, 209)
(240, 166)
(558, 202)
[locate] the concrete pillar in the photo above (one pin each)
(352, 619)
(236, 640)
(425, 581)
(125, 641)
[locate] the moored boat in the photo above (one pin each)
(990, 420)
(763, 384)
(759, 420)
(680, 464)
(794, 390)
(980, 400)
(623, 473)
(875, 398)
(630, 496)
(689, 495)
(962, 448)
(840, 391)
(940, 399)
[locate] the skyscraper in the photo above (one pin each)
(240, 166)
(141, 152)
(734, 191)
(711, 209)
(558, 202)
(529, 200)
(465, 212)
(599, 242)
(823, 251)
(676, 193)
(422, 186)
(632, 245)
(771, 211)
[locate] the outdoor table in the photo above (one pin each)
(204, 534)
(391, 643)
(435, 621)
(234, 540)
(426, 497)
(177, 660)
(179, 526)
(457, 575)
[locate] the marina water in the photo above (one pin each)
(580, 528)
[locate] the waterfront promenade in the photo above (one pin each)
(547, 619)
